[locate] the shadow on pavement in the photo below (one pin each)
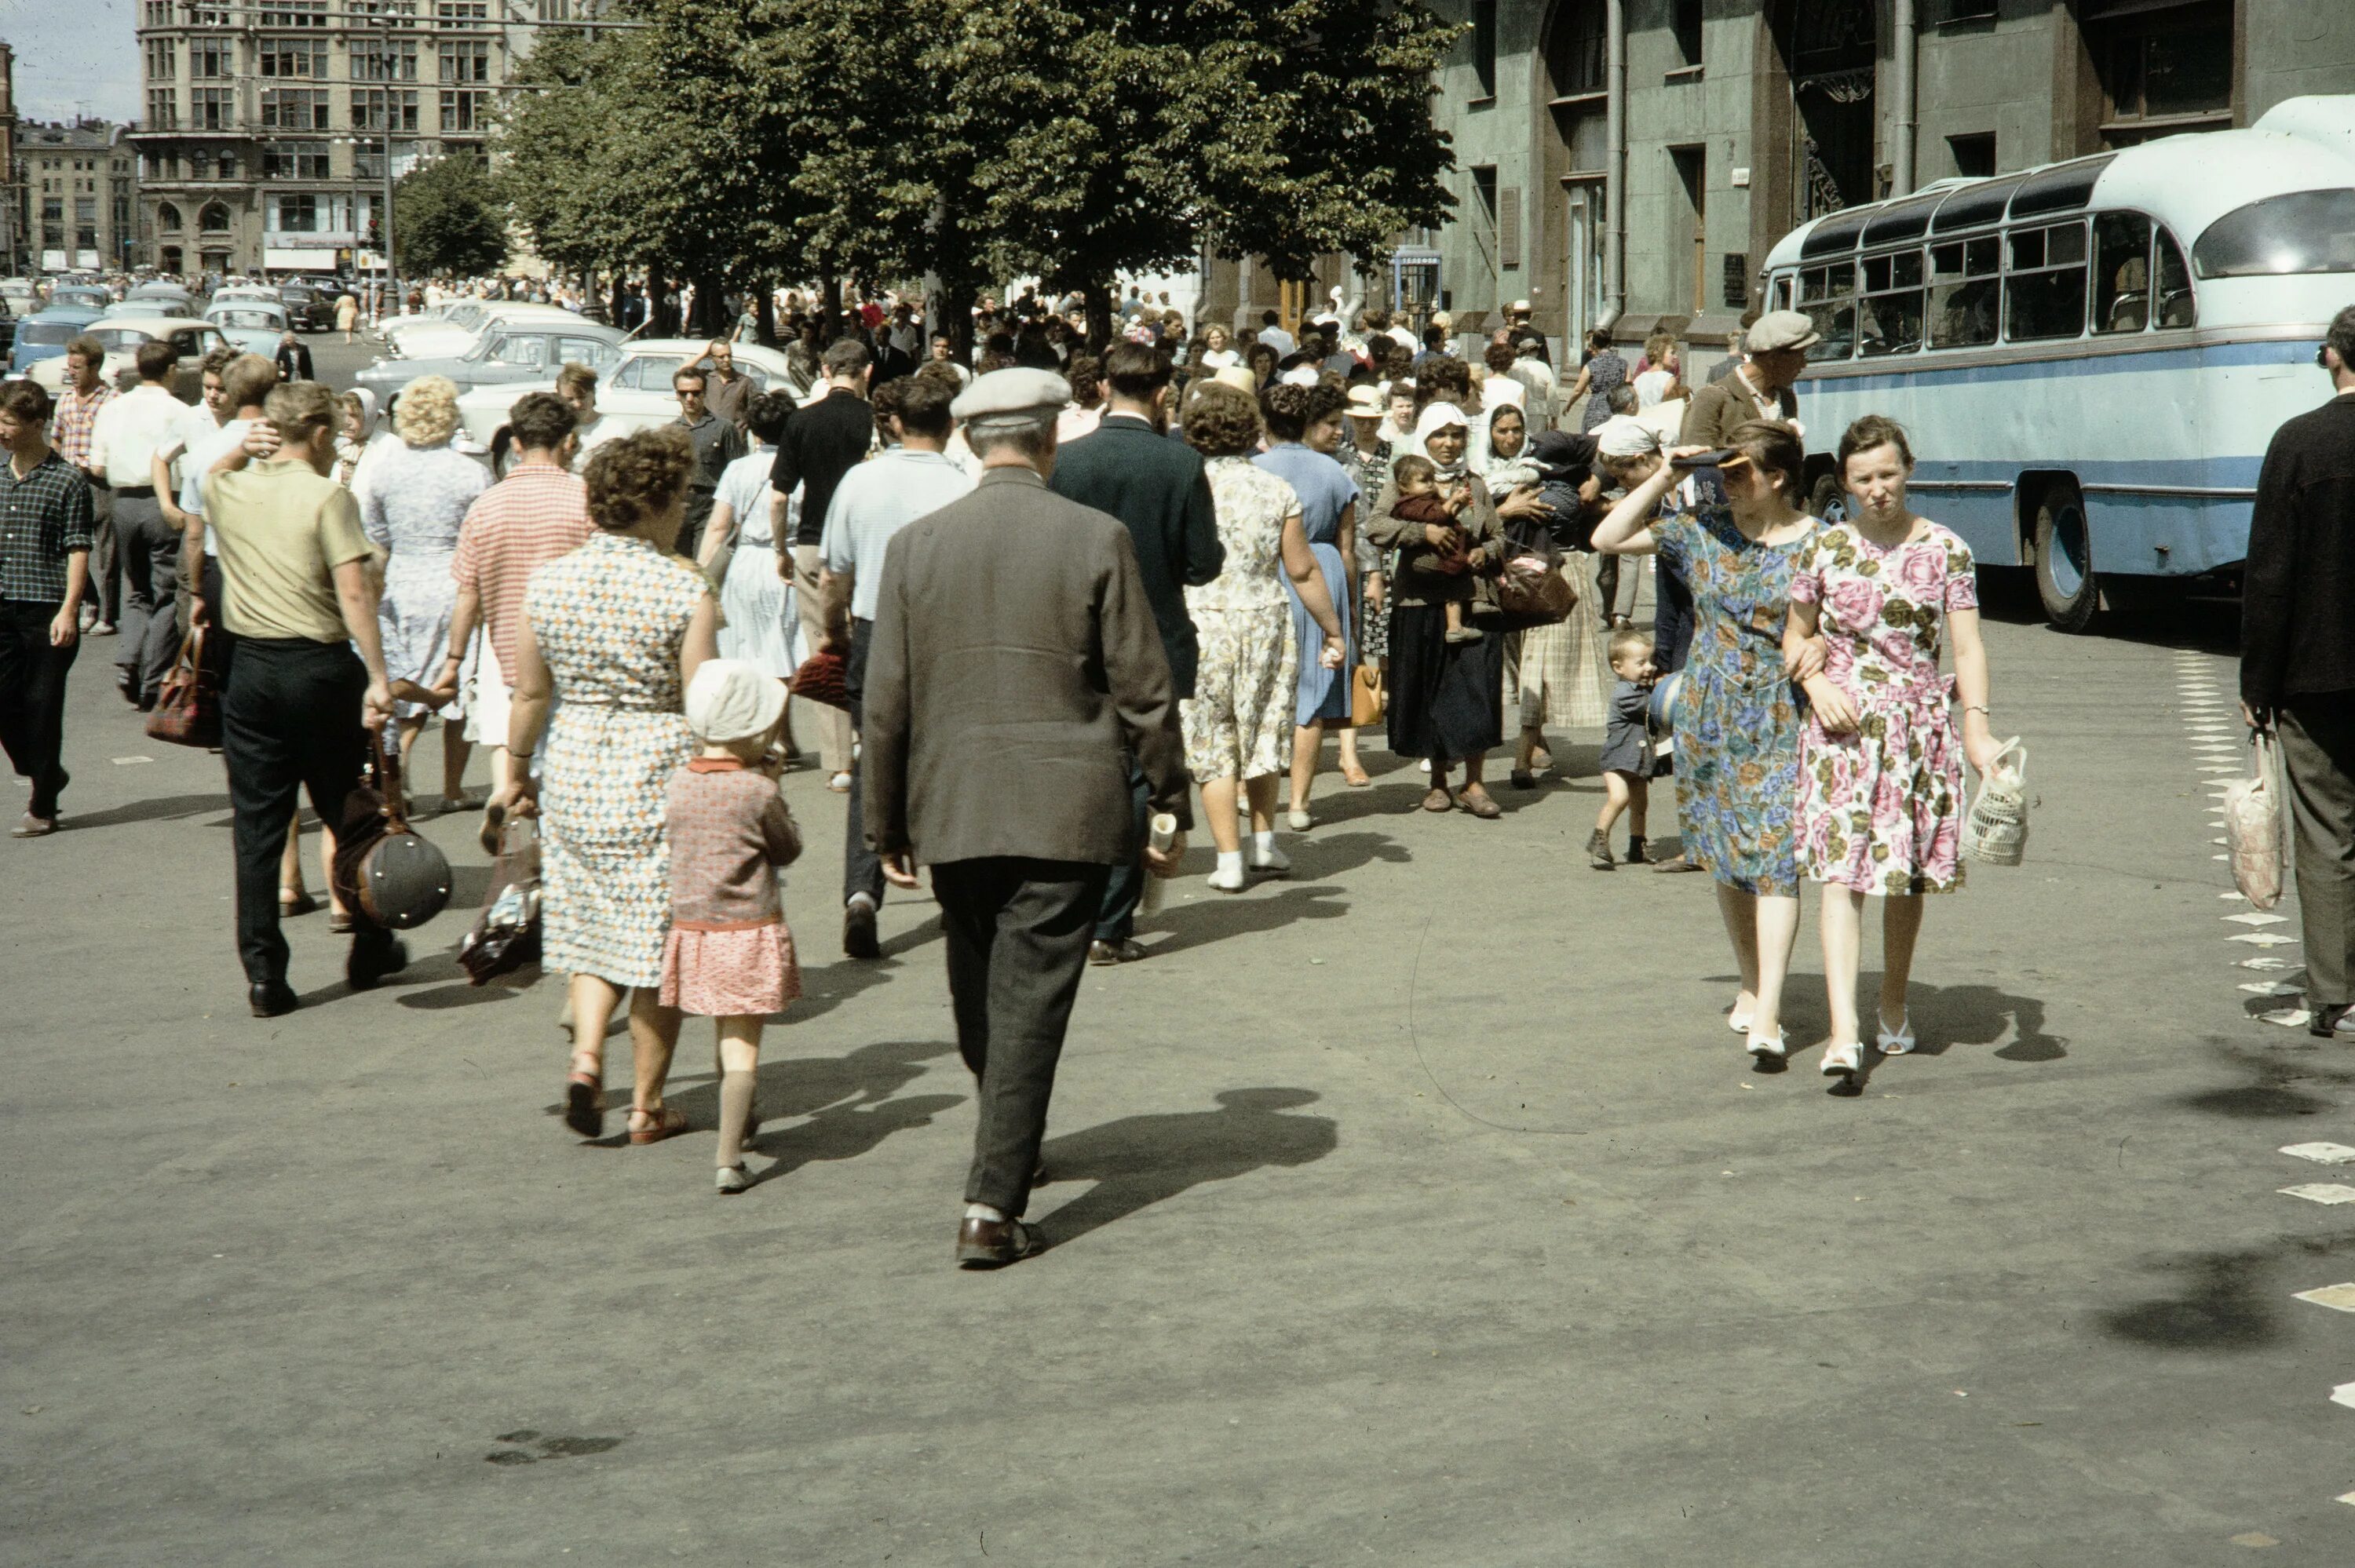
(2229, 1300)
(2272, 1088)
(161, 808)
(1204, 921)
(1140, 1160)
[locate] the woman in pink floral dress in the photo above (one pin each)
(1881, 759)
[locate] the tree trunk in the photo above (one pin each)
(1099, 297)
(954, 316)
(711, 307)
(764, 313)
(829, 308)
(621, 299)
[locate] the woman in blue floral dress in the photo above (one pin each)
(1733, 533)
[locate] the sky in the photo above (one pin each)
(73, 56)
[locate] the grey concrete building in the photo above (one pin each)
(267, 123)
(1631, 161)
(81, 194)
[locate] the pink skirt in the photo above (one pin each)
(748, 973)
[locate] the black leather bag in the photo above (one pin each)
(382, 869)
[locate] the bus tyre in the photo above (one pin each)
(2064, 558)
(1827, 501)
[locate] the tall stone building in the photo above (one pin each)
(80, 196)
(1633, 160)
(263, 144)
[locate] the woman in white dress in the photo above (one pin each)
(759, 624)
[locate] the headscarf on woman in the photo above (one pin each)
(1437, 416)
(1626, 436)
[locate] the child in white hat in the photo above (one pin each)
(729, 957)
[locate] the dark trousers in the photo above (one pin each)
(863, 868)
(2318, 743)
(104, 588)
(290, 722)
(220, 642)
(1672, 618)
(698, 512)
(149, 548)
(1116, 920)
(33, 698)
(1018, 943)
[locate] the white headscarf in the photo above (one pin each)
(1435, 417)
(1626, 436)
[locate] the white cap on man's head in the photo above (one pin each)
(1010, 398)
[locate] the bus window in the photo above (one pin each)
(1829, 296)
(1782, 297)
(1965, 289)
(2176, 306)
(2121, 272)
(2044, 282)
(1890, 321)
(2310, 232)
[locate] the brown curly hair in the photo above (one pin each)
(638, 477)
(1223, 421)
(1288, 410)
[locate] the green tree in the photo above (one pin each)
(448, 216)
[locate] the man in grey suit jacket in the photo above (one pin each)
(1013, 665)
(1158, 487)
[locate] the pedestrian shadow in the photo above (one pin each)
(827, 986)
(2272, 1087)
(2227, 1300)
(160, 808)
(1944, 1018)
(1140, 1160)
(1334, 854)
(1381, 800)
(1217, 916)
(844, 1132)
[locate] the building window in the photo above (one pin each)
(163, 108)
(1968, 11)
(394, 60)
(1577, 50)
(211, 60)
(1684, 21)
(224, 164)
(163, 59)
(462, 13)
(1974, 155)
(465, 111)
(369, 110)
(294, 13)
(212, 108)
(294, 161)
(295, 57)
(159, 13)
(168, 218)
(1483, 216)
(297, 214)
(1484, 46)
(213, 218)
(2165, 70)
(466, 62)
(555, 10)
(378, 10)
(294, 108)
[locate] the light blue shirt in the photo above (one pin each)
(875, 501)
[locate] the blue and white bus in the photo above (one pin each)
(2091, 355)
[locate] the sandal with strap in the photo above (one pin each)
(584, 1096)
(668, 1121)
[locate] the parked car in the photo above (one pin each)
(309, 310)
(255, 325)
(448, 336)
(18, 292)
(82, 295)
(122, 335)
(634, 391)
(143, 292)
(508, 351)
(45, 333)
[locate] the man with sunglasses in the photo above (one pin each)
(718, 443)
(2297, 664)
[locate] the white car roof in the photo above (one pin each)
(158, 326)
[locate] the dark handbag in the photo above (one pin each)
(824, 677)
(506, 934)
(382, 869)
(1534, 597)
(187, 710)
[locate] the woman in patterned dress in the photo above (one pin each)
(1303, 428)
(1733, 535)
(1367, 457)
(616, 629)
(1881, 762)
(1557, 673)
(411, 506)
(1238, 723)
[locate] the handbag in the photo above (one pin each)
(188, 709)
(2253, 827)
(1995, 830)
(389, 873)
(505, 935)
(1534, 593)
(824, 677)
(1368, 697)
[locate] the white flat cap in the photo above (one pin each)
(1016, 396)
(730, 699)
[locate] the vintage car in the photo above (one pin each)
(633, 394)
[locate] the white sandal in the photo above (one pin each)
(1767, 1056)
(1898, 1043)
(1737, 1020)
(1843, 1061)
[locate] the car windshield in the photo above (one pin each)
(244, 318)
(47, 334)
(2309, 231)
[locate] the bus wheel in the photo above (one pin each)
(1828, 500)
(2064, 558)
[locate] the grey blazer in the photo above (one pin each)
(1014, 659)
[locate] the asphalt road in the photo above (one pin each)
(1419, 1209)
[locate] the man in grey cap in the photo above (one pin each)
(1761, 388)
(1013, 664)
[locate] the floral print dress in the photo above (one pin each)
(1737, 720)
(1238, 723)
(1880, 811)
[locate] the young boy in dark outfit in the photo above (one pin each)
(1627, 762)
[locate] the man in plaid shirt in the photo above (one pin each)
(45, 527)
(71, 428)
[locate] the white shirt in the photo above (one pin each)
(1499, 389)
(131, 429)
(1652, 385)
(590, 437)
(875, 501)
(1276, 338)
(1219, 358)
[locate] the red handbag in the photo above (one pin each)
(187, 710)
(824, 677)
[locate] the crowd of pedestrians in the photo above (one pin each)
(1068, 591)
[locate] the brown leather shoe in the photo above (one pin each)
(993, 1244)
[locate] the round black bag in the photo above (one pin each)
(396, 878)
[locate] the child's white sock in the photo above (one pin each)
(1230, 861)
(1263, 842)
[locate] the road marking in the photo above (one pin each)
(2324, 1192)
(2321, 1153)
(2254, 920)
(2337, 1298)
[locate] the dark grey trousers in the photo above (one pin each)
(2318, 743)
(1017, 936)
(149, 549)
(863, 868)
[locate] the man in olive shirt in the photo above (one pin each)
(1760, 388)
(301, 704)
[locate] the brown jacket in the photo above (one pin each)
(1721, 406)
(1015, 661)
(1477, 523)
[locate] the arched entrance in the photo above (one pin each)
(1829, 48)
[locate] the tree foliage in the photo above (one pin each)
(449, 216)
